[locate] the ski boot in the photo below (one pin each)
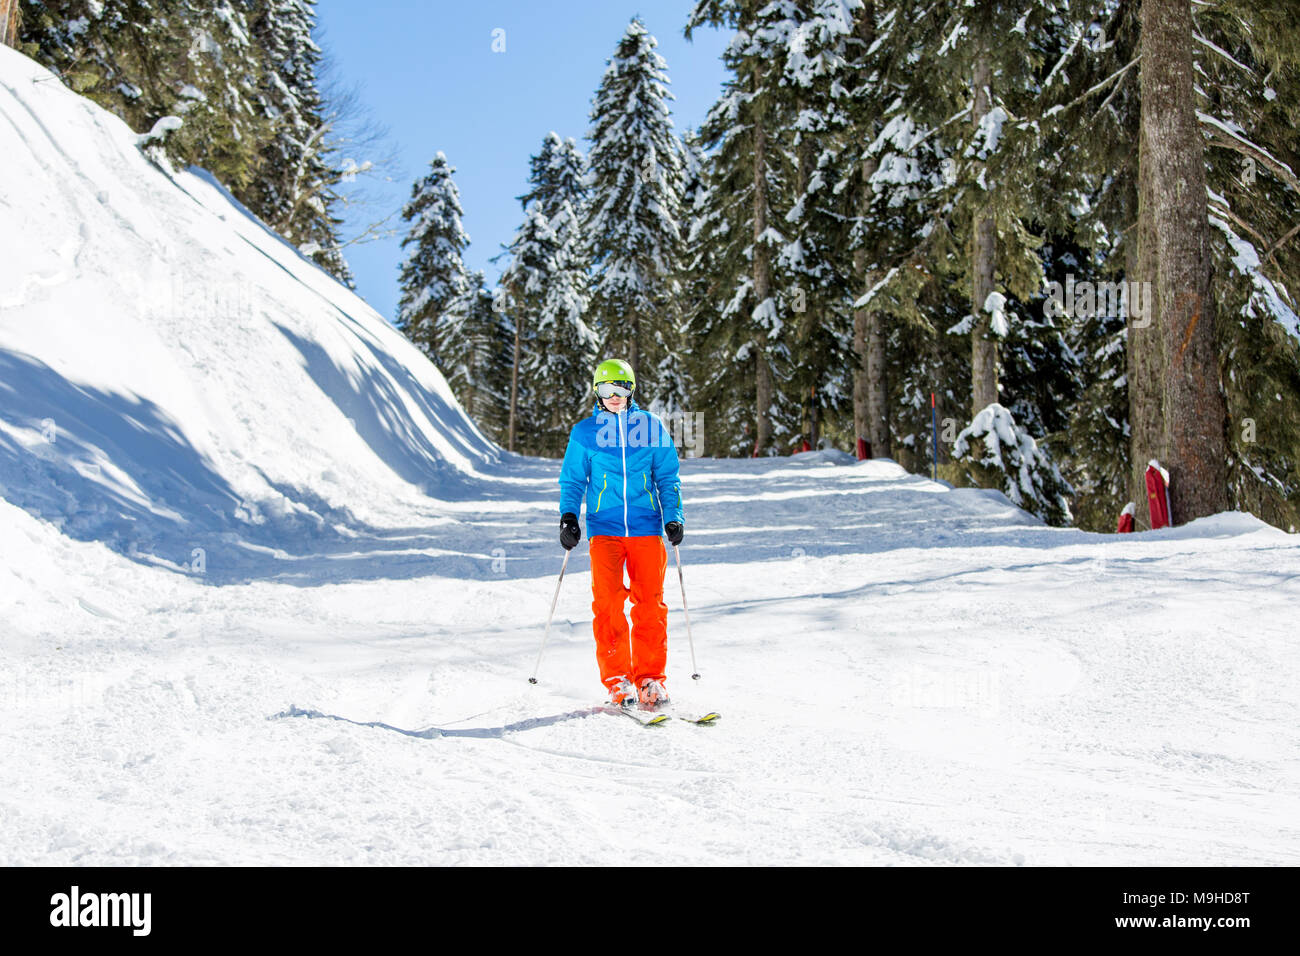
(622, 693)
(652, 695)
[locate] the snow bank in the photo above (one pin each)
(174, 377)
(1226, 524)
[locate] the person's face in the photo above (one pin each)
(615, 403)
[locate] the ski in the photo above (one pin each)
(653, 718)
(644, 718)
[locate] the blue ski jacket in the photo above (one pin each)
(627, 466)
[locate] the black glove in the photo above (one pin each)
(674, 531)
(570, 532)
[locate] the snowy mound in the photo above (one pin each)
(174, 376)
(823, 456)
(1226, 524)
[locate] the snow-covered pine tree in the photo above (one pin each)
(558, 187)
(1088, 186)
(433, 275)
(1248, 105)
(674, 391)
(817, 72)
(523, 282)
(294, 191)
(1096, 460)
(1006, 456)
(547, 299)
(146, 59)
(564, 348)
(886, 174)
(635, 185)
(123, 54)
(957, 78)
(557, 175)
(1245, 61)
(1083, 197)
(219, 79)
(241, 75)
(990, 59)
(743, 336)
(1037, 367)
(477, 345)
(720, 360)
(721, 375)
(886, 171)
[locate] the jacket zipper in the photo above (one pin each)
(623, 435)
(602, 489)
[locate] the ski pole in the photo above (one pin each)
(547, 632)
(682, 581)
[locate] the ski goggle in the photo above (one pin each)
(610, 389)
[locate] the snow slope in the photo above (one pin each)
(908, 673)
(173, 376)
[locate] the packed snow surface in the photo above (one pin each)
(268, 597)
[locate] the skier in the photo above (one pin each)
(624, 460)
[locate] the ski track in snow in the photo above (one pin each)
(231, 495)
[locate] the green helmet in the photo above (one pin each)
(613, 370)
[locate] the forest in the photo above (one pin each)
(1028, 246)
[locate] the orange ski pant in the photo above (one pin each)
(642, 652)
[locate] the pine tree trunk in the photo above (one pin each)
(634, 351)
(514, 387)
(873, 361)
(984, 348)
(556, 433)
(762, 285)
(870, 392)
(1173, 204)
(815, 432)
(877, 391)
(861, 402)
(808, 323)
(10, 21)
(866, 411)
(1144, 355)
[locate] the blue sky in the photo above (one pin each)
(426, 70)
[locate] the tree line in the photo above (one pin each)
(1063, 231)
(243, 76)
(1069, 224)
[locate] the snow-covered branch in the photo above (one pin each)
(1223, 135)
